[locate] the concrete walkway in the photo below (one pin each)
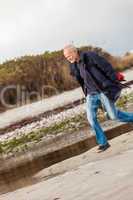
(88, 176)
(31, 110)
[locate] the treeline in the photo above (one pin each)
(26, 79)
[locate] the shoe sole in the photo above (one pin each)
(104, 149)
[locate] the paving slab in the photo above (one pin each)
(108, 175)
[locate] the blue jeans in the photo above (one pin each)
(92, 103)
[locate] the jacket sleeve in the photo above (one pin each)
(81, 82)
(76, 74)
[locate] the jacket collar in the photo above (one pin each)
(82, 57)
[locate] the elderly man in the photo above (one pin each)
(100, 86)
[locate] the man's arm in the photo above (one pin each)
(81, 82)
(76, 74)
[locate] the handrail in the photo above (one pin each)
(129, 83)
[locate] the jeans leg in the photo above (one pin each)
(115, 113)
(109, 106)
(92, 103)
(124, 116)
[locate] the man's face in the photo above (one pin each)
(70, 55)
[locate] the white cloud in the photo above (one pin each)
(30, 27)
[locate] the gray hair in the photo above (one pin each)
(70, 47)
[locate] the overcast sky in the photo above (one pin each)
(34, 26)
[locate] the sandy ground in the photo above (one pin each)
(108, 175)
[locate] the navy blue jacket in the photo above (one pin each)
(96, 74)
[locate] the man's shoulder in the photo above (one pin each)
(89, 54)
